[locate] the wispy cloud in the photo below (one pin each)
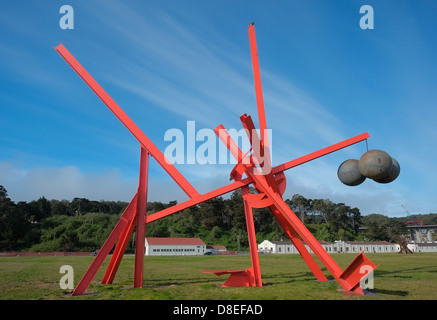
(64, 183)
(181, 73)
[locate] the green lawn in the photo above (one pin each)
(285, 277)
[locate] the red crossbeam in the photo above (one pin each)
(129, 124)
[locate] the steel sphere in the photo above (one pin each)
(375, 164)
(349, 174)
(392, 174)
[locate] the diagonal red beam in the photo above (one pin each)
(119, 251)
(125, 219)
(238, 184)
(128, 123)
(320, 153)
(258, 91)
(291, 233)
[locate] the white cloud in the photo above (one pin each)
(64, 183)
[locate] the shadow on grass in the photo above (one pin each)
(284, 278)
(390, 292)
(398, 273)
(183, 281)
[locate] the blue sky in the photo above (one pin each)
(168, 62)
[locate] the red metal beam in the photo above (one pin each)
(292, 235)
(119, 251)
(251, 234)
(321, 153)
(258, 92)
(128, 123)
(141, 220)
(125, 219)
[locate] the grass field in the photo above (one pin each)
(285, 277)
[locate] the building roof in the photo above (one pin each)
(217, 247)
(174, 241)
(425, 244)
(281, 242)
(347, 242)
(290, 243)
(369, 242)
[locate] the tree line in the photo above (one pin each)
(84, 225)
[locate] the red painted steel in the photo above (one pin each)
(118, 253)
(250, 277)
(128, 123)
(125, 219)
(353, 273)
(237, 278)
(292, 235)
(321, 152)
(141, 220)
(250, 225)
(259, 95)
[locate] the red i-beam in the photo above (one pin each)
(269, 182)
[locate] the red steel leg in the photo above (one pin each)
(141, 220)
(307, 257)
(126, 218)
(252, 237)
(309, 239)
(119, 251)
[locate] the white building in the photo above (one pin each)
(280, 247)
(423, 247)
(359, 246)
(284, 247)
(174, 247)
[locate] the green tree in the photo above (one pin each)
(60, 207)
(69, 241)
(13, 223)
(211, 213)
(300, 205)
(376, 231)
(324, 208)
(233, 214)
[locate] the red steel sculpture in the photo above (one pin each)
(269, 182)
